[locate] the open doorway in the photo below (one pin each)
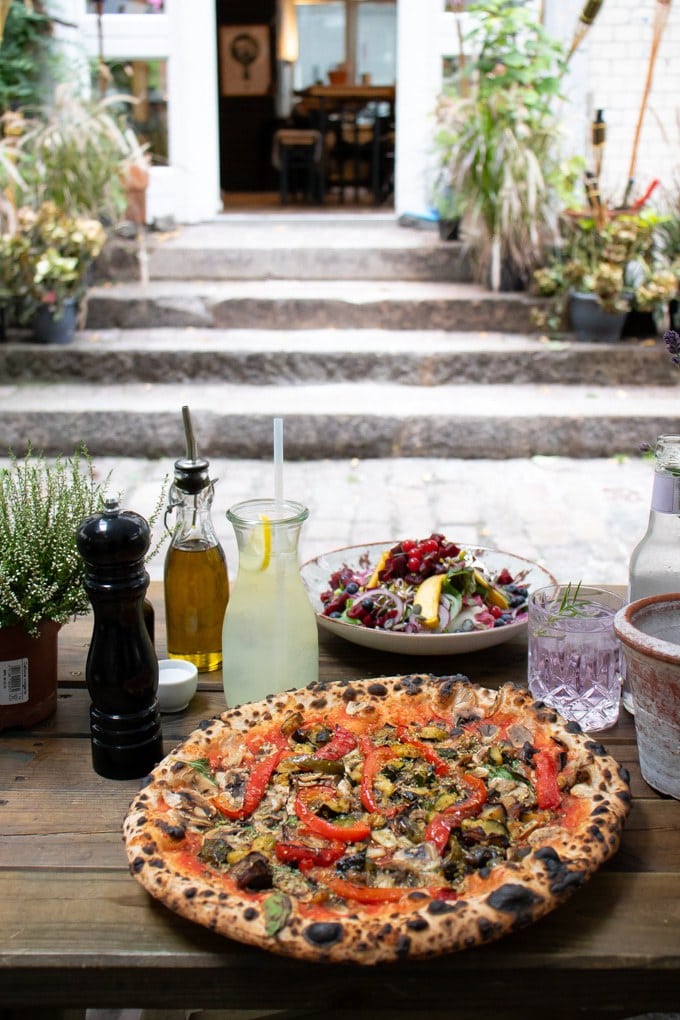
(325, 69)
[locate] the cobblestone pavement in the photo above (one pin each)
(579, 518)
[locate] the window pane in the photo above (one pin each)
(146, 81)
(321, 31)
(127, 7)
(377, 42)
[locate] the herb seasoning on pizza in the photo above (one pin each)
(376, 820)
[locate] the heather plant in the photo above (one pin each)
(42, 503)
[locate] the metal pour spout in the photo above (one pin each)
(192, 449)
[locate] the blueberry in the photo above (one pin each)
(352, 588)
(335, 616)
(367, 604)
(500, 622)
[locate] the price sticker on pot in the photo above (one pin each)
(14, 682)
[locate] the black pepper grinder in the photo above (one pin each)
(122, 668)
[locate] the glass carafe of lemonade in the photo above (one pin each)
(269, 638)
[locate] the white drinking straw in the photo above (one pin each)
(278, 466)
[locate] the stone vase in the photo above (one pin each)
(649, 631)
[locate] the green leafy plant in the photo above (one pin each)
(497, 138)
(42, 504)
(620, 262)
(45, 258)
(74, 153)
(29, 59)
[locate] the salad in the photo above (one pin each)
(429, 585)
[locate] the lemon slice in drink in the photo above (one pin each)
(260, 544)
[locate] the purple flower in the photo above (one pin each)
(671, 338)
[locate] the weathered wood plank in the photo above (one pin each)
(52, 922)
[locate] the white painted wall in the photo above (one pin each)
(189, 188)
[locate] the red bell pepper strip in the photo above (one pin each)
(548, 793)
(362, 893)
(372, 894)
(375, 758)
(256, 786)
(355, 832)
(298, 853)
(338, 746)
(439, 827)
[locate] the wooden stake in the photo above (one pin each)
(660, 19)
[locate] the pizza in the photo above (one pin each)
(377, 820)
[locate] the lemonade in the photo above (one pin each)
(269, 638)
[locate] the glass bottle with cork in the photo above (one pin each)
(196, 580)
(655, 563)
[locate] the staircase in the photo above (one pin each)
(367, 337)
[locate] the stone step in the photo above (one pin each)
(308, 304)
(279, 246)
(274, 357)
(335, 420)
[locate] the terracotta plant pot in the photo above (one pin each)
(649, 631)
(28, 675)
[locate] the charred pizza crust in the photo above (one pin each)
(555, 861)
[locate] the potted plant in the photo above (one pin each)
(602, 271)
(73, 153)
(44, 262)
(496, 138)
(41, 574)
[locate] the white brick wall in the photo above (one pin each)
(616, 56)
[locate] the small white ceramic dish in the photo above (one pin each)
(316, 574)
(177, 683)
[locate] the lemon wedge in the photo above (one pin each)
(258, 551)
(427, 597)
(266, 536)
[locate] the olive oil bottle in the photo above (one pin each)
(196, 580)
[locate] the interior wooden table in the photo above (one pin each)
(78, 930)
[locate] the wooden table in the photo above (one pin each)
(341, 105)
(77, 930)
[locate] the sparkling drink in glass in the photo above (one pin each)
(574, 653)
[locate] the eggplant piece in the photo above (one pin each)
(484, 830)
(253, 872)
(214, 852)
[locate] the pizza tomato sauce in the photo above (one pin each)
(342, 810)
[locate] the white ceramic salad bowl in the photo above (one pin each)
(316, 574)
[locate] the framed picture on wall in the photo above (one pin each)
(244, 60)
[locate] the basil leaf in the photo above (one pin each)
(277, 909)
(504, 772)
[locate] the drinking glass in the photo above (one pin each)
(574, 653)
